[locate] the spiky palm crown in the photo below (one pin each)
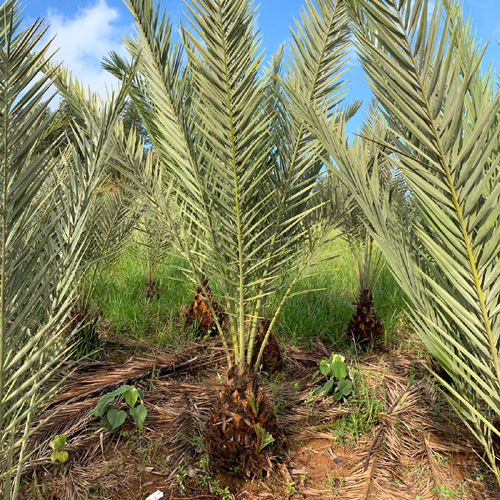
(369, 149)
(237, 161)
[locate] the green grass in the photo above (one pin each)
(120, 293)
(322, 313)
(326, 311)
(364, 408)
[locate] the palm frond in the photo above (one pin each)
(444, 249)
(247, 206)
(46, 193)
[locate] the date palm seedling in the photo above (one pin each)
(365, 328)
(152, 242)
(152, 245)
(238, 165)
(424, 67)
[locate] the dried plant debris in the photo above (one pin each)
(399, 459)
(406, 453)
(91, 378)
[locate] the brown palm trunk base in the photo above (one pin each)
(87, 338)
(365, 328)
(272, 360)
(151, 291)
(241, 418)
(495, 439)
(199, 313)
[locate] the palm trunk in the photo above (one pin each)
(242, 429)
(365, 328)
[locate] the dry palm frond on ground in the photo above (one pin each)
(405, 453)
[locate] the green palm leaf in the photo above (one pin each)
(236, 163)
(46, 192)
(443, 133)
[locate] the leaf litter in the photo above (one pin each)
(415, 448)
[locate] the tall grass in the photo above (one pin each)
(128, 312)
(322, 313)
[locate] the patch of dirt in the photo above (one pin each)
(318, 466)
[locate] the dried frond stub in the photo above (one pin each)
(199, 313)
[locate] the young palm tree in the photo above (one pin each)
(365, 328)
(152, 247)
(239, 166)
(45, 196)
(152, 244)
(110, 219)
(425, 69)
(108, 228)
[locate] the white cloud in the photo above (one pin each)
(85, 39)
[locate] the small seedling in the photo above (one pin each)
(290, 488)
(443, 492)
(215, 489)
(116, 417)
(58, 454)
(333, 483)
(440, 459)
(335, 370)
(181, 476)
(264, 438)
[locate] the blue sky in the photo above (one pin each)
(87, 30)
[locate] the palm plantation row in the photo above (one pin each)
(246, 175)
